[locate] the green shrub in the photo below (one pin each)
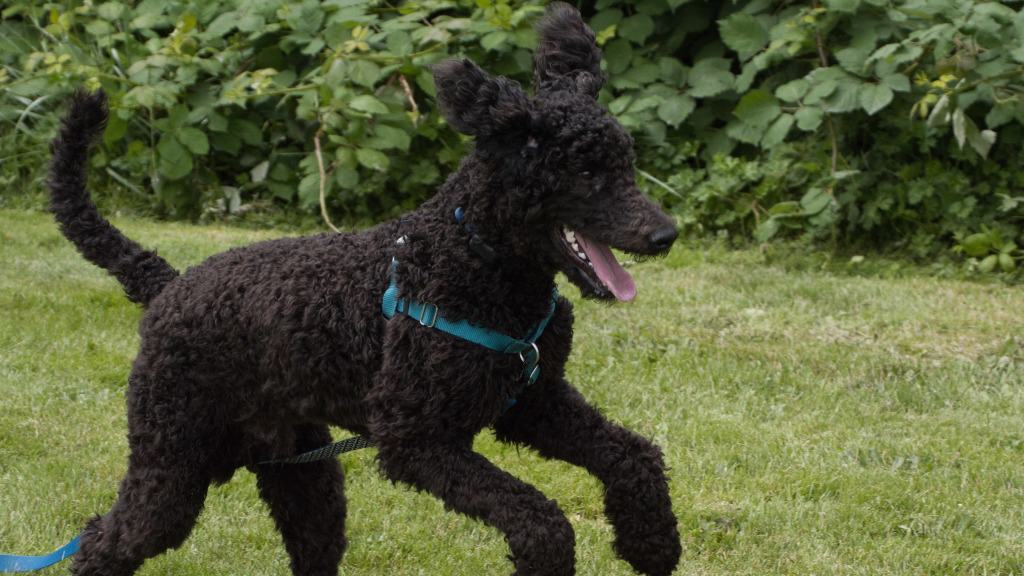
(891, 122)
(219, 102)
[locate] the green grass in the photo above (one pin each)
(815, 423)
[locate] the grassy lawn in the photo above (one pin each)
(815, 423)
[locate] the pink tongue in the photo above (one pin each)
(608, 269)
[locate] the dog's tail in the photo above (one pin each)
(143, 273)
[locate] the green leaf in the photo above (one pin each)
(618, 53)
(259, 171)
(195, 140)
(247, 130)
(652, 7)
(226, 142)
(309, 189)
(981, 140)
(744, 34)
(809, 119)
(642, 73)
(175, 162)
(1007, 263)
(855, 56)
(99, 28)
(221, 25)
(747, 133)
(347, 178)
(676, 109)
(364, 72)
(897, 82)
(605, 19)
(814, 201)
(636, 28)
(644, 103)
(146, 21)
(399, 43)
(251, 23)
(787, 208)
(875, 97)
(494, 40)
(977, 245)
(368, 104)
(618, 106)
(792, 92)
(217, 123)
(821, 91)
(710, 77)
(767, 230)
(758, 108)
(110, 10)
(673, 71)
(960, 127)
(778, 131)
(314, 46)
(846, 98)
(392, 137)
(373, 159)
(844, 6)
(746, 77)
(988, 265)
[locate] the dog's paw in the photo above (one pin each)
(650, 550)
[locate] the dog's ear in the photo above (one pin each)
(476, 103)
(566, 48)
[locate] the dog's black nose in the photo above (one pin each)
(663, 238)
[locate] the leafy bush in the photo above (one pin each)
(907, 117)
(894, 122)
(233, 97)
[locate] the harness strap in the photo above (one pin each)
(430, 316)
(10, 563)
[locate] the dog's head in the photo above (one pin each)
(560, 168)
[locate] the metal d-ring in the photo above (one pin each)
(535, 349)
(423, 314)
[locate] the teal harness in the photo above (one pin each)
(430, 316)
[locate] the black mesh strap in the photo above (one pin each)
(325, 453)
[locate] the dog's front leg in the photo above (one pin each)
(538, 534)
(555, 419)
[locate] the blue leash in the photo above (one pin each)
(12, 563)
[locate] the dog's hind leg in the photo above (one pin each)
(156, 509)
(553, 418)
(307, 501)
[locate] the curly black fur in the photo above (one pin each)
(142, 273)
(252, 354)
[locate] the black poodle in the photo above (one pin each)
(252, 354)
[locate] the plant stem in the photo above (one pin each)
(661, 184)
(323, 181)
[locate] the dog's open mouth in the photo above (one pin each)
(595, 267)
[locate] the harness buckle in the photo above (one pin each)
(432, 316)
